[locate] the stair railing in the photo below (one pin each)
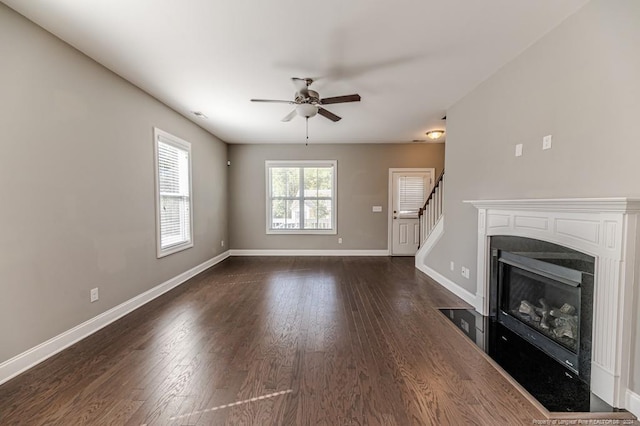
(431, 211)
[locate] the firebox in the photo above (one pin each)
(543, 292)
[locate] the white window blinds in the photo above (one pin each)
(173, 159)
(412, 192)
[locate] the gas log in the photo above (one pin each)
(561, 322)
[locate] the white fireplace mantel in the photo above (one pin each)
(606, 228)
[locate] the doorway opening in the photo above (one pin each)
(408, 189)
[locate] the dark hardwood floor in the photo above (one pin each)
(276, 341)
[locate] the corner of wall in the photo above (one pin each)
(429, 244)
(421, 265)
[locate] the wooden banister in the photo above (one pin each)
(430, 213)
(433, 191)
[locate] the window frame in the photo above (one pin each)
(169, 139)
(302, 164)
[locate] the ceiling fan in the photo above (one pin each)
(308, 102)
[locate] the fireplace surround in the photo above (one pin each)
(604, 228)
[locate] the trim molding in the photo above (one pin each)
(24, 361)
(596, 205)
(293, 252)
(454, 288)
(632, 403)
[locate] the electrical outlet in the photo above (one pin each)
(339, 240)
(546, 142)
(519, 150)
(94, 294)
(465, 272)
(452, 266)
(221, 243)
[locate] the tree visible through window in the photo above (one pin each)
(301, 197)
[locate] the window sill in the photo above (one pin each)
(173, 249)
(302, 232)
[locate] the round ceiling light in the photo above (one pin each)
(435, 134)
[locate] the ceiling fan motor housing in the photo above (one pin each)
(307, 97)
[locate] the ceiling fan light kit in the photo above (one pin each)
(306, 110)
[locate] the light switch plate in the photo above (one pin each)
(94, 295)
(376, 209)
(546, 142)
(519, 150)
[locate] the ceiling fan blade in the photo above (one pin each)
(275, 101)
(327, 114)
(290, 116)
(340, 99)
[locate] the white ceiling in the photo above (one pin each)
(410, 60)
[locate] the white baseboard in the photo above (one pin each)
(22, 362)
(632, 403)
(604, 383)
(454, 288)
(271, 252)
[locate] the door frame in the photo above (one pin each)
(393, 170)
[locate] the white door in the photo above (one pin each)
(409, 191)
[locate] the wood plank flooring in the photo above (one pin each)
(276, 341)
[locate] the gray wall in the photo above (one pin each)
(77, 191)
(363, 179)
(580, 83)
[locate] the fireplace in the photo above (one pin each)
(543, 292)
(607, 229)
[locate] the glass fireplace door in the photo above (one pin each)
(541, 302)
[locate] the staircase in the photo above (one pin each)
(430, 214)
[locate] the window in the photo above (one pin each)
(412, 193)
(301, 197)
(173, 193)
